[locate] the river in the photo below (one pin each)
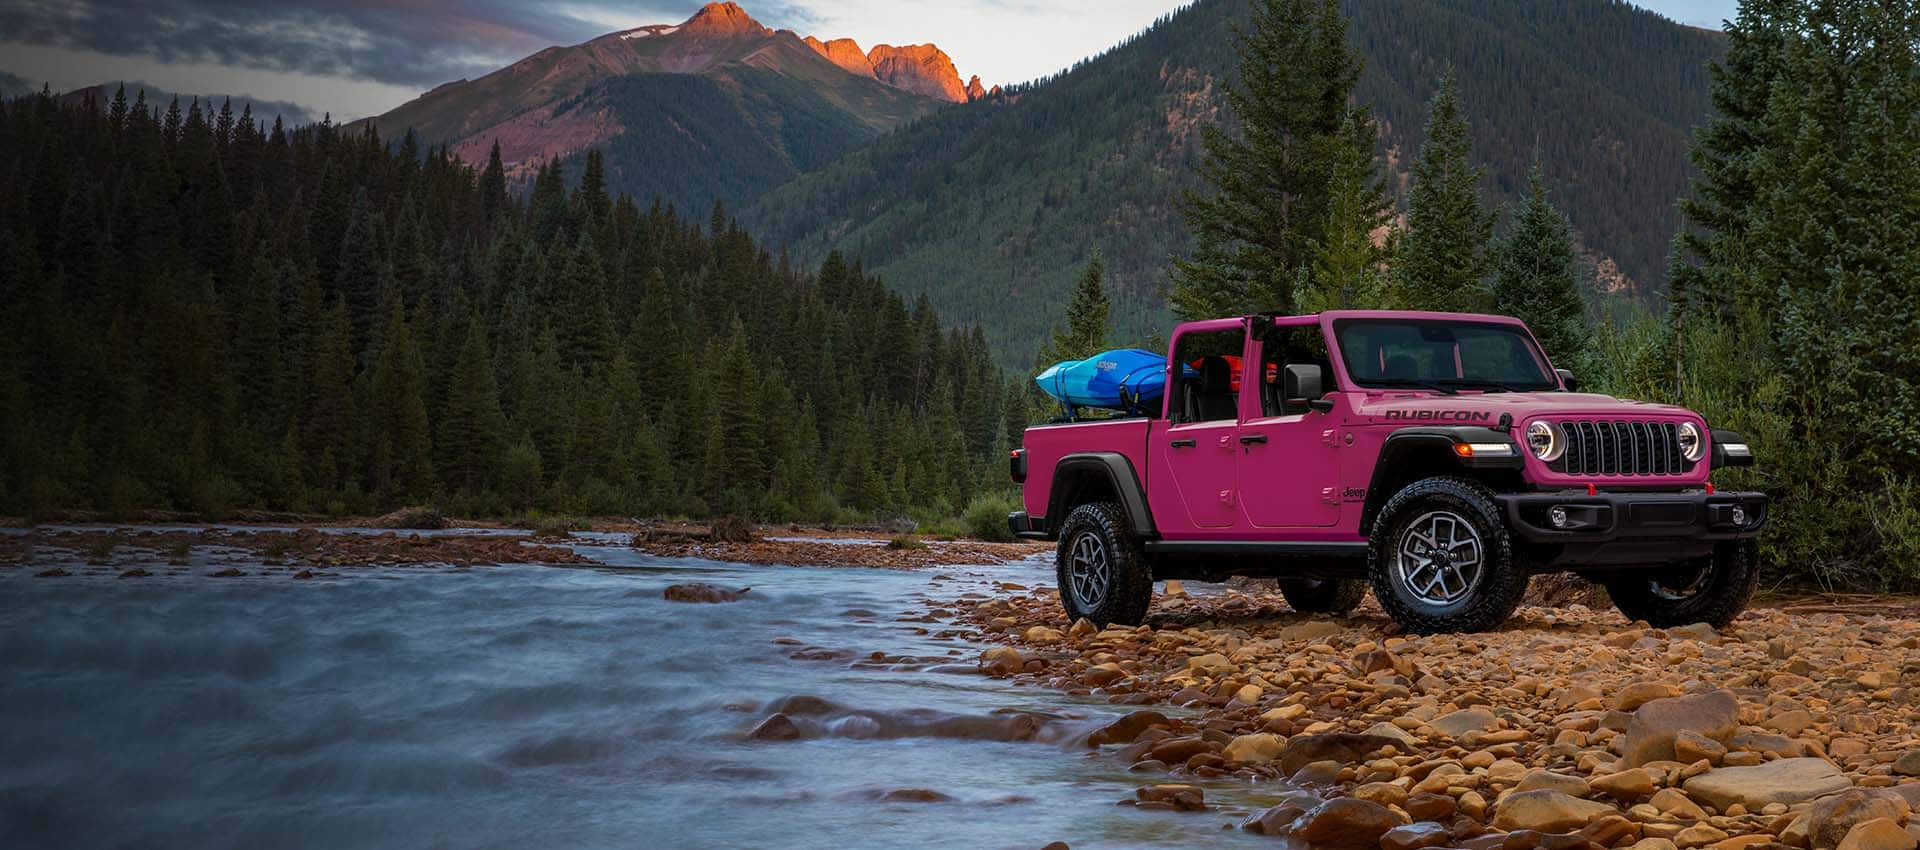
(527, 706)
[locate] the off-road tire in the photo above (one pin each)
(1487, 599)
(1733, 573)
(1128, 590)
(1323, 596)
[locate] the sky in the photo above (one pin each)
(355, 58)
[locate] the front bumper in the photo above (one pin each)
(1026, 527)
(1626, 516)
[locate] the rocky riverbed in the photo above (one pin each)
(1572, 728)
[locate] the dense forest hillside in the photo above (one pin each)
(994, 208)
(206, 314)
(718, 107)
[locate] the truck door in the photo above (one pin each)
(1289, 471)
(1199, 446)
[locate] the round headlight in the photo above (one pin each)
(1691, 446)
(1544, 440)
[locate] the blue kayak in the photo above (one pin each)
(1113, 380)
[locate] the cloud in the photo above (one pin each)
(14, 85)
(420, 44)
(362, 57)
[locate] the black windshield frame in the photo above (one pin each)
(1525, 367)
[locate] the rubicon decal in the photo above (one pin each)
(1442, 415)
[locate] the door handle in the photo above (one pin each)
(1182, 444)
(1253, 439)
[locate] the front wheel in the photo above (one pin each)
(1440, 560)
(1711, 590)
(1103, 575)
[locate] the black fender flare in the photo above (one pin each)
(1721, 458)
(1118, 472)
(1434, 440)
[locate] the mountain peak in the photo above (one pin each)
(724, 19)
(844, 52)
(920, 68)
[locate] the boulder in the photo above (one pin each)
(1538, 780)
(777, 727)
(1346, 824)
(1002, 661)
(1690, 746)
(1178, 750)
(1342, 747)
(1309, 631)
(1388, 730)
(1791, 723)
(1831, 818)
(1878, 834)
(1257, 748)
(697, 592)
(1127, 728)
(1210, 664)
(1656, 723)
(1427, 806)
(1042, 634)
(1279, 819)
(1546, 811)
(1785, 781)
(1185, 798)
(1453, 724)
(1908, 764)
(1415, 836)
(1627, 785)
(1640, 693)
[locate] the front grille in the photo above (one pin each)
(1604, 447)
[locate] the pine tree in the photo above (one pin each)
(1705, 278)
(493, 187)
(1269, 198)
(472, 431)
(1089, 322)
(734, 465)
(329, 414)
(1442, 261)
(401, 465)
(1349, 261)
(1537, 279)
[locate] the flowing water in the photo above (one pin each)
(524, 706)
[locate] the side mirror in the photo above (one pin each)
(1568, 380)
(1301, 383)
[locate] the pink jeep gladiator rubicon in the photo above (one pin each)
(1437, 457)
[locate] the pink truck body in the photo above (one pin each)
(1310, 482)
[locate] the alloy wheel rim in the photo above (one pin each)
(1682, 587)
(1089, 570)
(1439, 558)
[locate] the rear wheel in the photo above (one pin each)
(1103, 575)
(1323, 596)
(1711, 590)
(1440, 560)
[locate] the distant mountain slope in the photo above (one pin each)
(290, 114)
(718, 106)
(992, 209)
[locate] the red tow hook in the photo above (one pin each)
(1592, 490)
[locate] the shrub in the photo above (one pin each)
(986, 516)
(905, 542)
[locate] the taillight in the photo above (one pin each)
(1017, 465)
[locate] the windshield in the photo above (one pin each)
(1441, 355)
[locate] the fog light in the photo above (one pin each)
(1739, 515)
(1558, 516)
